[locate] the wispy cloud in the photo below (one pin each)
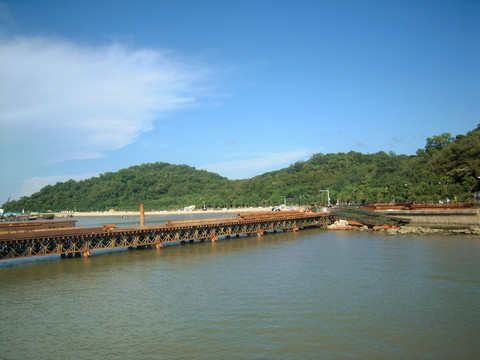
(360, 144)
(34, 184)
(62, 101)
(256, 163)
(72, 101)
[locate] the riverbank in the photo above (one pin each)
(447, 228)
(438, 230)
(437, 222)
(410, 229)
(438, 217)
(418, 230)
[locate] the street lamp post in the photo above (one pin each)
(328, 195)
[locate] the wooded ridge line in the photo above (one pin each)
(446, 170)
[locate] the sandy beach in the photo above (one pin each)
(160, 213)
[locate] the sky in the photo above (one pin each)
(238, 88)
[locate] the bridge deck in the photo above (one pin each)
(78, 240)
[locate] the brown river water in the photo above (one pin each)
(311, 294)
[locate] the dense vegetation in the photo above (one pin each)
(448, 169)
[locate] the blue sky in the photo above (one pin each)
(234, 87)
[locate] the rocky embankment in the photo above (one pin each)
(426, 220)
(427, 230)
(341, 224)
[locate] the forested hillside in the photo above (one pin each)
(447, 168)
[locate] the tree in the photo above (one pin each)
(447, 168)
(438, 142)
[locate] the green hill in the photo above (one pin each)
(448, 168)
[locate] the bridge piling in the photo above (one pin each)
(142, 215)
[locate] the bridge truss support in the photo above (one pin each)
(84, 241)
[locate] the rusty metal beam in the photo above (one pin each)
(85, 240)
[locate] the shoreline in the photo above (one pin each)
(434, 230)
(417, 229)
(411, 229)
(159, 213)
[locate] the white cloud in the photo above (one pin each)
(72, 101)
(257, 163)
(34, 184)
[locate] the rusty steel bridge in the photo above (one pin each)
(21, 242)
